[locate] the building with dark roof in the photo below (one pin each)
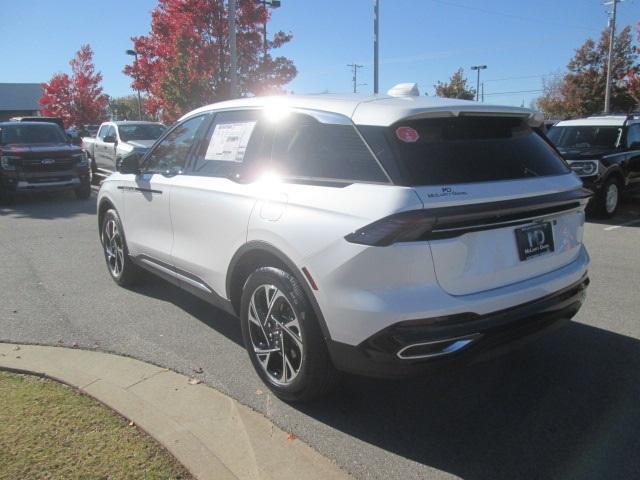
(19, 99)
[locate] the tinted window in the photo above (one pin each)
(306, 148)
(171, 153)
(633, 134)
(587, 136)
(234, 141)
(140, 131)
(442, 151)
(32, 134)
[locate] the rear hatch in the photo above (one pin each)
(505, 206)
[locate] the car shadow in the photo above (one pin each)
(215, 318)
(566, 406)
(49, 205)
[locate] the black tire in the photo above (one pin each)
(6, 198)
(95, 179)
(83, 191)
(604, 205)
(316, 374)
(116, 254)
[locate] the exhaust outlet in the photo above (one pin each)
(436, 348)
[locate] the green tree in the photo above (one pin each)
(456, 87)
(126, 108)
(581, 90)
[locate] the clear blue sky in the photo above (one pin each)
(421, 40)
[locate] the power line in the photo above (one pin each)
(354, 69)
(516, 17)
(525, 77)
(514, 92)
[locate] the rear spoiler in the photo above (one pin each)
(533, 119)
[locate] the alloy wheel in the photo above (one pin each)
(276, 336)
(113, 247)
(612, 198)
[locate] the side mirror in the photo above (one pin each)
(130, 163)
(109, 139)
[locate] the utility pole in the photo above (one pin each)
(354, 69)
(478, 68)
(612, 38)
(482, 88)
(376, 38)
(232, 47)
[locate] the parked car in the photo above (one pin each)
(37, 156)
(116, 139)
(604, 151)
(375, 235)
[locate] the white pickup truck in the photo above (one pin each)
(116, 139)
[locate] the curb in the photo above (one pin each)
(212, 435)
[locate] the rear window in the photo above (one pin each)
(441, 151)
(33, 133)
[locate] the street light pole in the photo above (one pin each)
(612, 38)
(376, 37)
(478, 68)
(135, 55)
(232, 47)
(265, 4)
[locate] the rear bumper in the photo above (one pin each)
(413, 347)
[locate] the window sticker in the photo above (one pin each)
(229, 142)
(407, 134)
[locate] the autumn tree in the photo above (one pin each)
(184, 61)
(581, 90)
(633, 75)
(456, 87)
(77, 99)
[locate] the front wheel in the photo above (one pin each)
(83, 191)
(609, 198)
(121, 268)
(283, 338)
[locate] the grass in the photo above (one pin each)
(50, 431)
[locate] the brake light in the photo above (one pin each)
(400, 227)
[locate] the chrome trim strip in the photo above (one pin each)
(458, 344)
(177, 275)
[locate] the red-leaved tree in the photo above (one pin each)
(77, 99)
(184, 61)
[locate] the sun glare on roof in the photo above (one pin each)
(276, 109)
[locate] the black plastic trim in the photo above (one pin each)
(449, 222)
(500, 331)
(293, 269)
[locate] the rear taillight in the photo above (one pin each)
(401, 227)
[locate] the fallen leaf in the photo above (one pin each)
(75, 345)
(18, 356)
(259, 392)
(131, 424)
(16, 348)
(194, 381)
(198, 369)
(15, 311)
(291, 436)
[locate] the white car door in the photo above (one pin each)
(146, 196)
(212, 202)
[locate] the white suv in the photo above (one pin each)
(374, 235)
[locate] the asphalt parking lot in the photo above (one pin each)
(566, 406)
